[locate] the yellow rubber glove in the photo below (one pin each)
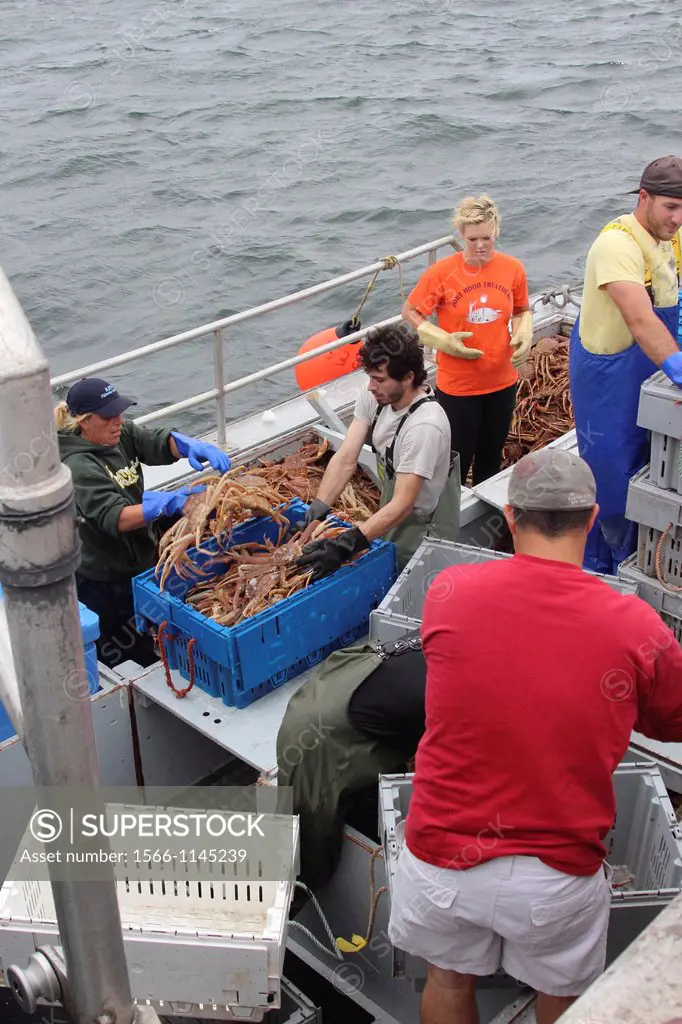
(435, 337)
(522, 337)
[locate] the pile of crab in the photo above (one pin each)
(257, 577)
(253, 577)
(246, 492)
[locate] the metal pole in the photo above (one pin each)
(38, 554)
(219, 381)
(269, 371)
(247, 314)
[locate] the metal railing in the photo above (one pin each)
(217, 328)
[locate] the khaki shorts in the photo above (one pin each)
(544, 928)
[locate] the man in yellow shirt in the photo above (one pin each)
(627, 329)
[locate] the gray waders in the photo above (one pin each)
(326, 760)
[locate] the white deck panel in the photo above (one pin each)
(494, 490)
(248, 733)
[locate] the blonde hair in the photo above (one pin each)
(481, 210)
(64, 420)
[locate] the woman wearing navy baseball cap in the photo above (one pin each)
(105, 454)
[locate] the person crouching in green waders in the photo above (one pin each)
(116, 514)
(361, 715)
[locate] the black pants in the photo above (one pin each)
(390, 702)
(479, 425)
(118, 640)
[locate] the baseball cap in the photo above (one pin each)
(662, 177)
(552, 480)
(94, 395)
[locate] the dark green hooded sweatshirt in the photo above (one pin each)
(106, 479)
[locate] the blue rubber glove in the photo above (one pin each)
(166, 503)
(672, 366)
(199, 452)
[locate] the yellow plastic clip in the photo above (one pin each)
(357, 943)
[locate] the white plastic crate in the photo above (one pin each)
(645, 845)
(401, 610)
(296, 1008)
(210, 949)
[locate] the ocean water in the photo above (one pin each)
(166, 164)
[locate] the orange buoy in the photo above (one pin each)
(332, 364)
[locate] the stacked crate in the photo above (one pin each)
(655, 504)
(644, 850)
(400, 612)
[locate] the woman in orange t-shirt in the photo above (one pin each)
(475, 294)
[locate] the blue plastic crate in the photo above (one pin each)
(6, 727)
(90, 631)
(242, 663)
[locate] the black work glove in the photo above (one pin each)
(326, 556)
(316, 510)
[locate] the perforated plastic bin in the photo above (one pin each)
(296, 1008)
(666, 462)
(6, 727)
(645, 845)
(193, 949)
(90, 632)
(245, 662)
(660, 412)
(401, 610)
(659, 514)
(667, 603)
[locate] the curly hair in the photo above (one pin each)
(481, 210)
(396, 349)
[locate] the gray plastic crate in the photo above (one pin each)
(648, 541)
(674, 623)
(667, 603)
(656, 511)
(646, 836)
(660, 410)
(666, 462)
(652, 506)
(401, 610)
(296, 1008)
(646, 840)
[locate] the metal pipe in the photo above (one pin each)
(219, 382)
(269, 371)
(39, 551)
(247, 314)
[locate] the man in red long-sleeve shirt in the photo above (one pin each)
(537, 673)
